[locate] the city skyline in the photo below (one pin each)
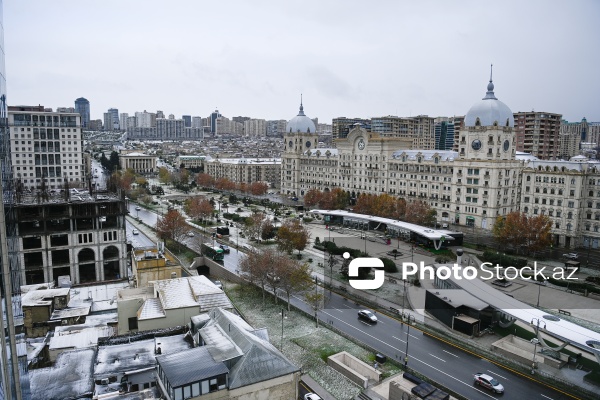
(256, 59)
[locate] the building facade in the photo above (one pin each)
(82, 106)
(575, 137)
(255, 127)
(245, 170)
(484, 179)
(420, 129)
(190, 162)
(538, 133)
(444, 133)
(340, 127)
(138, 162)
(46, 148)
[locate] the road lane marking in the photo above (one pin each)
(348, 307)
(494, 373)
(453, 354)
(546, 397)
(397, 338)
(413, 336)
(441, 359)
(337, 309)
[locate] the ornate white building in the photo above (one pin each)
(484, 179)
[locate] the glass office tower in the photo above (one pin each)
(14, 379)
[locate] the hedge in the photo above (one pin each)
(503, 260)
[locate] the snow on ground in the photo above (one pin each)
(303, 342)
(70, 377)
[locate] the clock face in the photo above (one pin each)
(291, 144)
(506, 145)
(307, 143)
(476, 144)
(361, 144)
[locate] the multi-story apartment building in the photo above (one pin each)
(444, 133)
(111, 120)
(65, 109)
(227, 126)
(95, 125)
(420, 129)
(255, 127)
(213, 121)
(123, 121)
(189, 162)
(145, 119)
(245, 170)
(276, 128)
(187, 120)
(340, 127)
(82, 106)
(197, 122)
(573, 134)
(538, 134)
(14, 376)
(46, 148)
(130, 123)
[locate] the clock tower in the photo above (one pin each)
(300, 139)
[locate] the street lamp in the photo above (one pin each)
(539, 291)
(407, 334)
(535, 342)
(316, 299)
(283, 316)
(403, 298)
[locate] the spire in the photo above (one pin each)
(489, 95)
(301, 112)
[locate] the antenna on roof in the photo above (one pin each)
(491, 70)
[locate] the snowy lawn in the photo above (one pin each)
(303, 343)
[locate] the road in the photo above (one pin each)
(441, 362)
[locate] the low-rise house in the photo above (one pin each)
(234, 361)
(167, 303)
(149, 264)
(40, 306)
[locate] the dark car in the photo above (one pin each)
(488, 382)
(367, 315)
(225, 248)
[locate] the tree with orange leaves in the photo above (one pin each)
(523, 232)
(420, 213)
(205, 180)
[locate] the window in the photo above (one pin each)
(571, 204)
(570, 215)
(569, 226)
(133, 323)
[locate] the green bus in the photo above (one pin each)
(214, 252)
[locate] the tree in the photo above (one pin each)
(258, 268)
(312, 197)
(340, 199)
(164, 176)
(141, 181)
(172, 226)
(292, 236)
(293, 276)
(420, 213)
(521, 232)
(365, 204)
(198, 208)
(205, 180)
(258, 188)
(254, 225)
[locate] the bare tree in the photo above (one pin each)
(293, 276)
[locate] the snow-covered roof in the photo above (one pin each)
(190, 366)
(77, 339)
(575, 334)
(135, 154)
(70, 312)
(260, 359)
(190, 291)
(522, 156)
(151, 309)
(69, 378)
(432, 234)
(101, 297)
(120, 358)
(459, 297)
(42, 297)
(260, 161)
(428, 155)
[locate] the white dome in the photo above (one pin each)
(300, 123)
(490, 110)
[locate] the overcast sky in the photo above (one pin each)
(348, 58)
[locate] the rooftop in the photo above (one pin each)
(190, 366)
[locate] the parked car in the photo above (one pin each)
(135, 232)
(312, 396)
(571, 256)
(225, 248)
(488, 382)
(218, 284)
(191, 234)
(367, 315)
(138, 208)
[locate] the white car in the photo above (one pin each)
(135, 232)
(191, 234)
(367, 315)
(312, 396)
(488, 382)
(571, 256)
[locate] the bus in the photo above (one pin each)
(213, 252)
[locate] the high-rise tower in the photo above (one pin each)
(82, 106)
